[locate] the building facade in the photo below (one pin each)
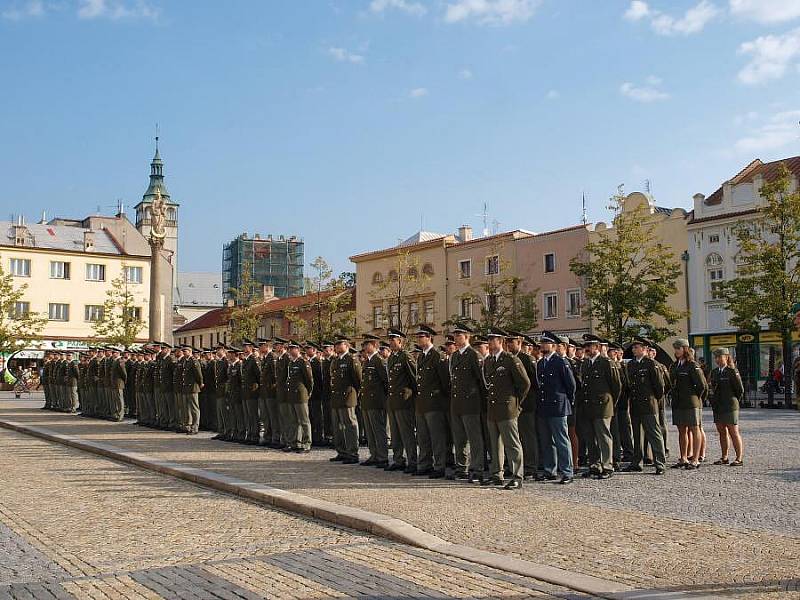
(713, 258)
(195, 294)
(69, 266)
(274, 262)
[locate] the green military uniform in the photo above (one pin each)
(467, 398)
(432, 405)
(71, 378)
(688, 389)
(45, 381)
(600, 390)
(725, 391)
(526, 422)
(346, 378)
(234, 394)
(250, 380)
(268, 397)
(167, 419)
(508, 385)
(284, 411)
(191, 384)
(374, 388)
(645, 387)
(181, 403)
(402, 373)
(118, 378)
(220, 382)
(299, 385)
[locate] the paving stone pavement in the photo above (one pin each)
(73, 525)
(719, 528)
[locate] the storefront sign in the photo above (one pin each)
(769, 337)
(747, 338)
(722, 340)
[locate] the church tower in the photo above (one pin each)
(143, 210)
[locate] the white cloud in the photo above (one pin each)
(770, 57)
(637, 10)
(419, 92)
(644, 93)
(766, 11)
(744, 118)
(778, 131)
(24, 10)
(693, 20)
(343, 55)
(115, 10)
(465, 74)
(553, 95)
(491, 12)
(411, 8)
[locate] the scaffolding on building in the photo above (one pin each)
(276, 262)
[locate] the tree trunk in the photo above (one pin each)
(788, 376)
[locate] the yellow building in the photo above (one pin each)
(68, 266)
(670, 228)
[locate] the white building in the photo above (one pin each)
(713, 251)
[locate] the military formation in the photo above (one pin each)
(494, 410)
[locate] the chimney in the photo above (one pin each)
(20, 234)
(88, 241)
(268, 291)
(257, 236)
(44, 218)
(465, 233)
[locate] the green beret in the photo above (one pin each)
(721, 352)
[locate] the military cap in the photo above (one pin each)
(310, 344)
(352, 351)
(549, 337)
(590, 339)
(721, 352)
(342, 338)
(514, 335)
(449, 339)
(327, 343)
(279, 340)
(573, 342)
(442, 348)
(293, 344)
(264, 340)
(426, 331)
(166, 345)
(461, 328)
(233, 349)
(247, 342)
(642, 342)
(530, 341)
(384, 345)
(495, 332)
(680, 343)
(368, 337)
(614, 346)
(479, 340)
(394, 332)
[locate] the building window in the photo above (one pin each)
(20, 310)
(377, 278)
(550, 262)
(492, 265)
(135, 313)
(294, 328)
(58, 312)
(429, 316)
(427, 270)
(551, 306)
(394, 315)
(93, 313)
(133, 274)
(413, 313)
(392, 275)
(59, 269)
(466, 308)
(491, 303)
(413, 272)
(716, 281)
(377, 317)
(713, 238)
(573, 303)
(95, 272)
(21, 267)
(464, 269)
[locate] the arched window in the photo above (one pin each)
(427, 269)
(377, 278)
(413, 273)
(715, 276)
(392, 275)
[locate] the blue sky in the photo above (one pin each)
(350, 123)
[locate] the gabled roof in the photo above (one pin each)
(421, 237)
(60, 237)
(768, 171)
(216, 317)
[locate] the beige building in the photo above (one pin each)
(69, 265)
(458, 270)
(670, 228)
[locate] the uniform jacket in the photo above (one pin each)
(267, 382)
(600, 390)
(375, 383)
(177, 375)
(507, 384)
(319, 382)
(166, 372)
(433, 383)
(530, 401)
(221, 375)
(467, 384)
(299, 381)
(234, 382)
(645, 386)
(556, 387)
(345, 381)
(688, 385)
(725, 390)
(72, 374)
(119, 374)
(192, 380)
(251, 376)
(281, 372)
(402, 381)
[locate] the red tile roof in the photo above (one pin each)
(213, 318)
(769, 171)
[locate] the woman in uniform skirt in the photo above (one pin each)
(726, 390)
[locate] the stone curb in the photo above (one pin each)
(354, 518)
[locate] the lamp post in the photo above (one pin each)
(685, 259)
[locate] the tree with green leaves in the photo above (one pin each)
(19, 327)
(629, 276)
(400, 287)
(243, 319)
(329, 315)
(502, 300)
(767, 282)
(121, 320)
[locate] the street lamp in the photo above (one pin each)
(685, 259)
